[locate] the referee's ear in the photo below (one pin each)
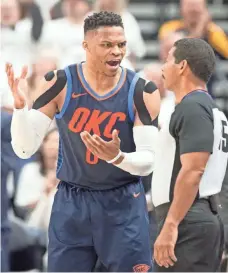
(183, 65)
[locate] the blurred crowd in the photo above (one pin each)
(48, 35)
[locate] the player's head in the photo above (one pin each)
(192, 10)
(104, 42)
(189, 59)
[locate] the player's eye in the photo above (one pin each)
(107, 45)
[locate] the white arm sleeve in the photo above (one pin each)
(28, 129)
(141, 162)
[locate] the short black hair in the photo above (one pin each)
(199, 55)
(102, 19)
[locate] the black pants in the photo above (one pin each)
(200, 240)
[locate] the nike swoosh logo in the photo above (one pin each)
(136, 194)
(74, 95)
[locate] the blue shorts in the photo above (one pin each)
(110, 225)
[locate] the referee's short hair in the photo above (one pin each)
(199, 56)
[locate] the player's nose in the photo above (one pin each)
(116, 51)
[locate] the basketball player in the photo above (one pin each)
(107, 120)
(193, 151)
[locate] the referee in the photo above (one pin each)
(190, 167)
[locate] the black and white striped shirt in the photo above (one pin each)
(196, 125)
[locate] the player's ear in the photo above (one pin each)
(182, 65)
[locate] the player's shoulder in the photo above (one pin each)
(53, 82)
(141, 82)
(55, 75)
(132, 77)
(60, 74)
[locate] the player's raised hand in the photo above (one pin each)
(105, 150)
(18, 85)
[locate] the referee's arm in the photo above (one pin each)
(195, 134)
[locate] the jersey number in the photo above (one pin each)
(90, 158)
(223, 145)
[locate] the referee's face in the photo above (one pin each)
(170, 71)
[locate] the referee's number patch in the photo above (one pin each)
(223, 145)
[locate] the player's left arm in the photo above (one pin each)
(194, 130)
(145, 132)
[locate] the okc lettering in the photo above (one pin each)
(88, 120)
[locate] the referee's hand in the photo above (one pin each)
(164, 246)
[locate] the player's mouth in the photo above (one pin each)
(113, 64)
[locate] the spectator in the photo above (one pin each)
(67, 33)
(36, 195)
(31, 14)
(45, 61)
(40, 216)
(17, 41)
(196, 22)
(10, 163)
(33, 175)
(46, 7)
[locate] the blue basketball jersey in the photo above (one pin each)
(84, 110)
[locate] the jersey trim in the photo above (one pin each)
(60, 156)
(131, 97)
(92, 92)
(68, 93)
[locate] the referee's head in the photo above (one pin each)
(190, 59)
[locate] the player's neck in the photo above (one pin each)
(186, 87)
(99, 82)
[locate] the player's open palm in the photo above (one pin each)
(18, 85)
(105, 150)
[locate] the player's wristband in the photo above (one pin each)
(115, 158)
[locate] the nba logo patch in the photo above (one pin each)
(141, 268)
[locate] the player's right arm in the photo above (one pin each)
(29, 127)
